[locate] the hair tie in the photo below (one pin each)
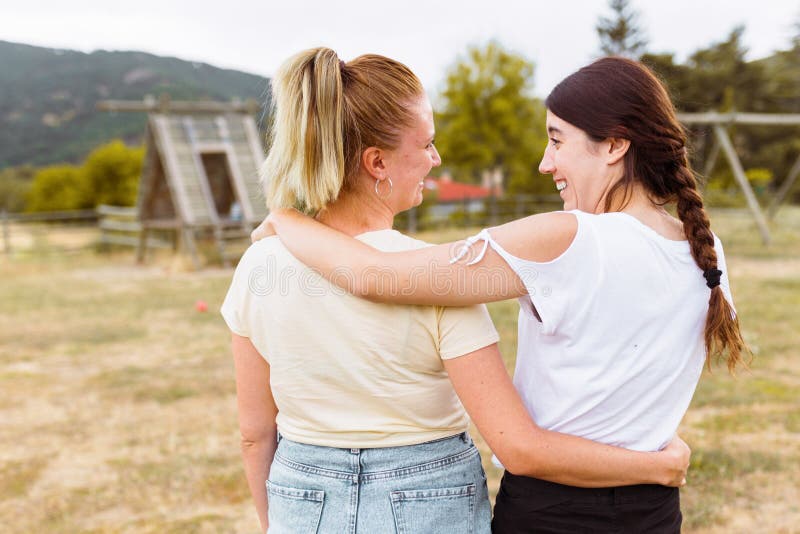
(712, 277)
(341, 65)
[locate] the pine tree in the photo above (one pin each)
(621, 35)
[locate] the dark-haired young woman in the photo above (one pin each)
(621, 303)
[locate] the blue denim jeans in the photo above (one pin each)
(430, 488)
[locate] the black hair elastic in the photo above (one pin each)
(712, 277)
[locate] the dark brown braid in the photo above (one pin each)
(620, 98)
(722, 333)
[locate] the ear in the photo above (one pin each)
(617, 148)
(373, 161)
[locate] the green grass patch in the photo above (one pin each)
(705, 494)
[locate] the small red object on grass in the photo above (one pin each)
(201, 306)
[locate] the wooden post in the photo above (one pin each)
(141, 247)
(786, 186)
(6, 236)
(710, 162)
(412, 220)
(519, 211)
(190, 246)
(738, 173)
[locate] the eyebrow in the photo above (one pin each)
(553, 130)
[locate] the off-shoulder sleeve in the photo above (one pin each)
(553, 286)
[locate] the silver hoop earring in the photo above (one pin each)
(377, 191)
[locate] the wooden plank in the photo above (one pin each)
(258, 155)
(712, 160)
(200, 170)
(249, 106)
(207, 146)
(189, 245)
(119, 226)
(132, 241)
(54, 216)
(161, 224)
(741, 178)
(116, 211)
(172, 170)
(238, 178)
(714, 117)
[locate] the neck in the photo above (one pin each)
(641, 203)
(356, 212)
(635, 200)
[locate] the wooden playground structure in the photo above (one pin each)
(200, 174)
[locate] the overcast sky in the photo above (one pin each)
(428, 35)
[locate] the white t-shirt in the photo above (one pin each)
(619, 349)
(346, 372)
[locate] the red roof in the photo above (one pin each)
(450, 191)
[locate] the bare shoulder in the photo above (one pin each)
(542, 237)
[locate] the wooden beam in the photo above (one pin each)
(738, 173)
(234, 170)
(189, 245)
(162, 224)
(205, 188)
(248, 106)
(257, 150)
(116, 211)
(172, 170)
(711, 161)
(786, 186)
(714, 117)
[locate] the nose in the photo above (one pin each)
(546, 166)
(437, 159)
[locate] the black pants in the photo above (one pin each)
(527, 504)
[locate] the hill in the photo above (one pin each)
(48, 97)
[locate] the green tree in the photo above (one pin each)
(719, 77)
(621, 34)
(14, 185)
(489, 120)
(112, 172)
(58, 187)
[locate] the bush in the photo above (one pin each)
(112, 172)
(14, 186)
(110, 175)
(57, 188)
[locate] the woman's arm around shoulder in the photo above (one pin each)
(427, 275)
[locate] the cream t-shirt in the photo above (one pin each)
(346, 372)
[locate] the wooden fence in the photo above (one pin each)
(71, 231)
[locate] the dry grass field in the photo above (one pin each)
(117, 411)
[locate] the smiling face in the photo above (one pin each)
(409, 164)
(582, 169)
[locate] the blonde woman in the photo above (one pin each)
(349, 410)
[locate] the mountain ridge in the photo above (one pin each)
(48, 97)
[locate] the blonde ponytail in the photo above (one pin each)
(305, 164)
(325, 114)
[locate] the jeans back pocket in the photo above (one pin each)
(442, 510)
(294, 510)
